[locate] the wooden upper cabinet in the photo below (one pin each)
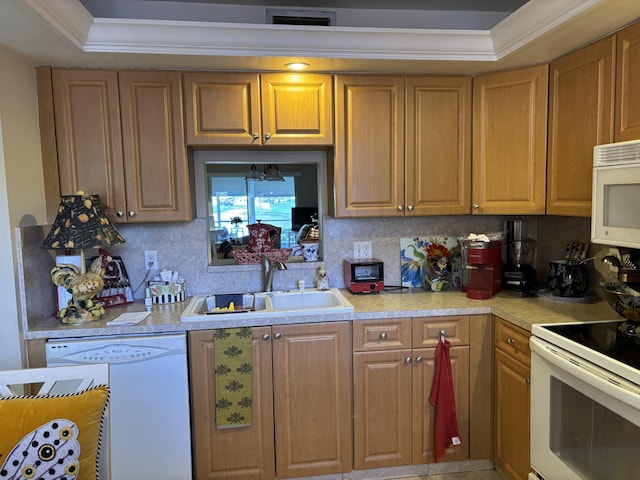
(155, 157)
(87, 126)
(222, 108)
(380, 170)
(580, 117)
(438, 145)
(252, 109)
(369, 172)
(120, 135)
(627, 123)
(297, 109)
(510, 141)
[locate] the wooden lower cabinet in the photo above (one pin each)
(312, 399)
(301, 406)
(245, 453)
(512, 400)
(393, 420)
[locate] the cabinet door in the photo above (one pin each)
(438, 145)
(369, 166)
(510, 141)
(297, 109)
(382, 409)
(424, 413)
(87, 121)
(627, 124)
(513, 340)
(222, 108)
(580, 117)
(155, 158)
(312, 396)
(244, 453)
(512, 416)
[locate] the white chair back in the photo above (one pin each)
(59, 380)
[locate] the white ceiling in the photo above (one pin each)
(415, 36)
(466, 14)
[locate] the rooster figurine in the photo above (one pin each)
(82, 287)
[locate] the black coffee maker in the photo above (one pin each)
(518, 254)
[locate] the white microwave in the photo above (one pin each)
(615, 216)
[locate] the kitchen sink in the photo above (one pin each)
(310, 301)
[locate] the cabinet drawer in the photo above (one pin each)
(387, 334)
(513, 340)
(426, 330)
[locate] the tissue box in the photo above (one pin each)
(167, 292)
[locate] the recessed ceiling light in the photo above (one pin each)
(297, 66)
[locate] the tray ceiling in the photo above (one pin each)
(454, 36)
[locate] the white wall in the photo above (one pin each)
(21, 187)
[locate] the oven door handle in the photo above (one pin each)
(593, 375)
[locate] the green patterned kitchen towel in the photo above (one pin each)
(232, 349)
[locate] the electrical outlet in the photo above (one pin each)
(362, 250)
(150, 259)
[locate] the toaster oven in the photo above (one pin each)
(363, 275)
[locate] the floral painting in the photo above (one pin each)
(434, 262)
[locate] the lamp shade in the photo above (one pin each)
(81, 223)
(253, 174)
(272, 173)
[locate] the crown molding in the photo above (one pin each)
(90, 34)
(534, 20)
(537, 32)
(68, 17)
(200, 38)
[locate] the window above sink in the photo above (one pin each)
(230, 202)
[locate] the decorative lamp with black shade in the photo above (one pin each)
(81, 223)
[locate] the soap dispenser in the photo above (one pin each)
(323, 279)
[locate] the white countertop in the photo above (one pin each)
(522, 312)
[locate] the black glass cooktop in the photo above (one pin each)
(604, 338)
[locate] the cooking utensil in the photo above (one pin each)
(576, 252)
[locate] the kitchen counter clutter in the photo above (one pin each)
(320, 369)
(510, 306)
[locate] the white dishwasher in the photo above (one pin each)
(150, 433)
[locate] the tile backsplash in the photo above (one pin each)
(183, 247)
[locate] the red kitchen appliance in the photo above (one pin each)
(484, 261)
(363, 275)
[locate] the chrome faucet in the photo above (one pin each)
(268, 269)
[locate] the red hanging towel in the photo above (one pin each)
(443, 400)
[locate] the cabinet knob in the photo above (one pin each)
(267, 136)
(400, 208)
(266, 336)
(475, 206)
(407, 360)
(120, 213)
(277, 336)
(511, 341)
(410, 208)
(132, 213)
(383, 336)
(527, 381)
(418, 359)
(256, 136)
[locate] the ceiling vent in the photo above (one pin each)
(301, 17)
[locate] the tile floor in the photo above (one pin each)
(477, 475)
